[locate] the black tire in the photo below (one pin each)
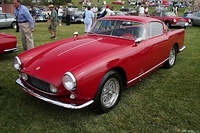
(192, 23)
(14, 25)
(168, 24)
(108, 93)
(172, 58)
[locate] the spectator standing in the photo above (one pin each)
(141, 11)
(95, 10)
(33, 13)
(67, 16)
(175, 10)
(53, 20)
(146, 10)
(26, 24)
(60, 14)
(109, 11)
(106, 24)
(89, 19)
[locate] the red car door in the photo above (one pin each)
(156, 45)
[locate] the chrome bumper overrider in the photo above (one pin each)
(181, 49)
(70, 106)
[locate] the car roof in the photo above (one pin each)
(136, 18)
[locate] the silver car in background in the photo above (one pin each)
(195, 18)
(7, 20)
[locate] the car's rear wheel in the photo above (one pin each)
(172, 58)
(109, 92)
(14, 25)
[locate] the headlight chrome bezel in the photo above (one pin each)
(69, 81)
(174, 20)
(17, 63)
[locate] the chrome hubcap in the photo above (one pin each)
(172, 56)
(110, 92)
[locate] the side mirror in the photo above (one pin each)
(138, 40)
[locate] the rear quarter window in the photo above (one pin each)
(154, 29)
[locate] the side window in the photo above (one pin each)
(198, 15)
(154, 29)
(2, 16)
(10, 16)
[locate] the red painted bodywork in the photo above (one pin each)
(8, 43)
(90, 56)
(117, 2)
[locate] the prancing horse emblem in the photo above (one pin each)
(37, 68)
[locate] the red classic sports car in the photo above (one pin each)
(118, 2)
(170, 19)
(94, 68)
(8, 43)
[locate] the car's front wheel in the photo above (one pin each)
(172, 58)
(168, 24)
(109, 92)
(192, 23)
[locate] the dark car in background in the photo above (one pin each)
(76, 17)
(7, 20)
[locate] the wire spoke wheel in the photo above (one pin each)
(110, 93)
(172, 56)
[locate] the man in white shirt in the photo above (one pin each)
(141, 11)
(60, 14)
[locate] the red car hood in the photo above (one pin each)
(70, 55)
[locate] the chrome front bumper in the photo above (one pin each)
(58, 103)
(11, 50)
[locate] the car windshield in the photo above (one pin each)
(169, 14)
(119, 28)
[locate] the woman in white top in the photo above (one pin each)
(60, 14)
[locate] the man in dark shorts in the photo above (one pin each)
(53, 21)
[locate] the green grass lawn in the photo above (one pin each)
(165, 101)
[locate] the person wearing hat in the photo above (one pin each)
(60, 14)
(109, 12)
(26, 24)
(53, 20)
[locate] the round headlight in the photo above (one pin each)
(69, 81)
(17, 63)
(174, 20)
(53, 89)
